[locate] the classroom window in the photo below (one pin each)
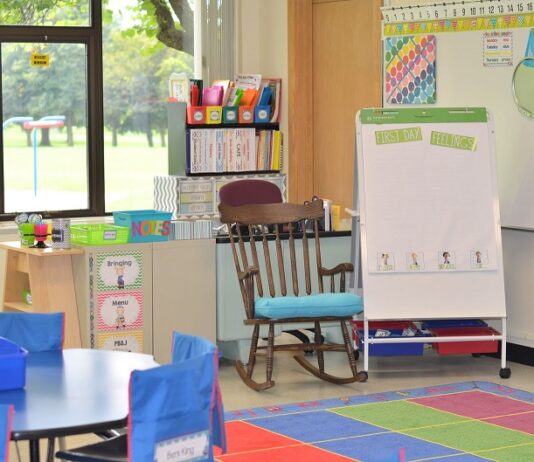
(44, 109)
(84, 107)
(136, 69)
(41, 13)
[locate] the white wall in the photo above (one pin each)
(261, 46)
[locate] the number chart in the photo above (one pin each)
(457, 16)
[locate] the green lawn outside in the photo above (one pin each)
(129, 169)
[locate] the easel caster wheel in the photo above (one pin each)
(505, 373)
(363, 376)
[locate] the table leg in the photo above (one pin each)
(34, 451)
(51, 449)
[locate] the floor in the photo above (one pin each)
(294, 384)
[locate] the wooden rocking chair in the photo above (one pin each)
(273, 228)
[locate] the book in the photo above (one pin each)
(179, 87)
(200, 85)
(265, 96)
(219, 150)
(245, 81)
(277, 150)
(250, 95)
(275, 85)
(235, 96)
(225, 84)
(212, 96)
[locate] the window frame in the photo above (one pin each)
(91, 37)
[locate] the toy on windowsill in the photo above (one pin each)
(31, 229)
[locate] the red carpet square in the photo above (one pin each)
(476, 404)
(522, 422)
(243, 437)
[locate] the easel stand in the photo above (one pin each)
(426, 229)
(504, 372)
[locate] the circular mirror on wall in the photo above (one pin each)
(523, 86)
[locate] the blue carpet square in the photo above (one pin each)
(464, 458)
(385, 447)
(316, 426)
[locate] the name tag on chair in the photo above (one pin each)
(184, 448)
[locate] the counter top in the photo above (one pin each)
(49, 251)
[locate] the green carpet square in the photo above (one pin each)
(398, 415)
(472, 436)
(519, 454)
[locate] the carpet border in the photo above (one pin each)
(423, 392)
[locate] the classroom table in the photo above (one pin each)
(72, 392)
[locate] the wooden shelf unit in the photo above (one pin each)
(47, 275)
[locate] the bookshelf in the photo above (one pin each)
(222, 149)
(236, 149)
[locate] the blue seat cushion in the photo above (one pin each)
(340, 304)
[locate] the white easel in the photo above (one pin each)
(427, 216)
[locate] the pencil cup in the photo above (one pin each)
(61, 233)
(196, 115)
(262, 114)
(41, 233)
(27, 234)
(246, 114)
(230, 115)
(213, 114)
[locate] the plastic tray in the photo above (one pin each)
(12, 365)
(391, 349)
(458, 348)
(99, 234)
(145, 225)
(384, 325)
(451, 323)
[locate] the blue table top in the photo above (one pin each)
(73, 391)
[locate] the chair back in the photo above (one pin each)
(241, 192)
(6, 416)
(280, 266)
(186, 346)
(177, 407)
(33, 331)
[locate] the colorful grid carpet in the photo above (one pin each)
(465, 422)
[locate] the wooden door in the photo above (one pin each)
(342, 69)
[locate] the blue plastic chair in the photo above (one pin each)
(175, 407)
(34, 332)
(6, 415)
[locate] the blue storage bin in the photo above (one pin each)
(12, 365)
(452, 323)
(391, 349)
(145, 225)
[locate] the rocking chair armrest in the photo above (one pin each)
(341, 268)
(249, 272)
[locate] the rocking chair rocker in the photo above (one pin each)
(269, 225)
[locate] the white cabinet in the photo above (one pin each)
(131, 297)
(183, 287)
(114, 296)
